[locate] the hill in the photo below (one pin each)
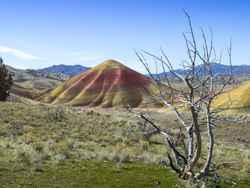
(68, 70)
(108, 84)
(20, 74)
(236, 98)
(30, 84)
(31, 79)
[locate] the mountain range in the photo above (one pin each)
(72, 70)
(68, 70)
(217, 69)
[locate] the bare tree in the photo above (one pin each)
(200, 90)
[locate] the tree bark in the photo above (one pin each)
(207, 165)
(190, 143)
(197, 152)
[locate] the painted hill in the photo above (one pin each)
(236, 98)
(108, 84)
(68, 70)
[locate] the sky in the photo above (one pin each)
(36, 34)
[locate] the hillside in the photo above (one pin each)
(108, 84)
(30, 84)
(68, 70)
(32, 79)
(235, 98)
(21, 74)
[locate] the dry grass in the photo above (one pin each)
(36, 134)
(235, 98)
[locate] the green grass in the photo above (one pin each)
(96, 174)
(88, 174)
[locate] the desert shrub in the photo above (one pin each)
(5, 81)
(64, 148)
(118, 157)
(39, 147)
(16, 129)
(87, 155)
(23, 157)
(26, 155)
(148, 157)
(57, 114)
(144, 145)
(124, 157)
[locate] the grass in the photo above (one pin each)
(88, 174)
(51, 131)
(42, 141)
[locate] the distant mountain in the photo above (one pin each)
(218, 69)
(68, 70)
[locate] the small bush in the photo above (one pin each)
(16, 129)
(57, 114)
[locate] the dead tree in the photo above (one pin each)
(196, 99)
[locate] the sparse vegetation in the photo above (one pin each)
(36, 146)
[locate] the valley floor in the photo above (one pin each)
(56, 146)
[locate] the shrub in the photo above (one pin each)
(5, 81)
(57, 114)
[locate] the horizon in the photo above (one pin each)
(41, 34)
(180, 68)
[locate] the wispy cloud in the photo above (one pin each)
(18, 53)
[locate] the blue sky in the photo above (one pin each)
(35, 34)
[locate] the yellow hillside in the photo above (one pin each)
(236, 98)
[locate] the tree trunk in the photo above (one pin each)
(190, 143)
(206, 167)
(198, 142)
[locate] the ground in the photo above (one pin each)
(59, 146)
(90, 174)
